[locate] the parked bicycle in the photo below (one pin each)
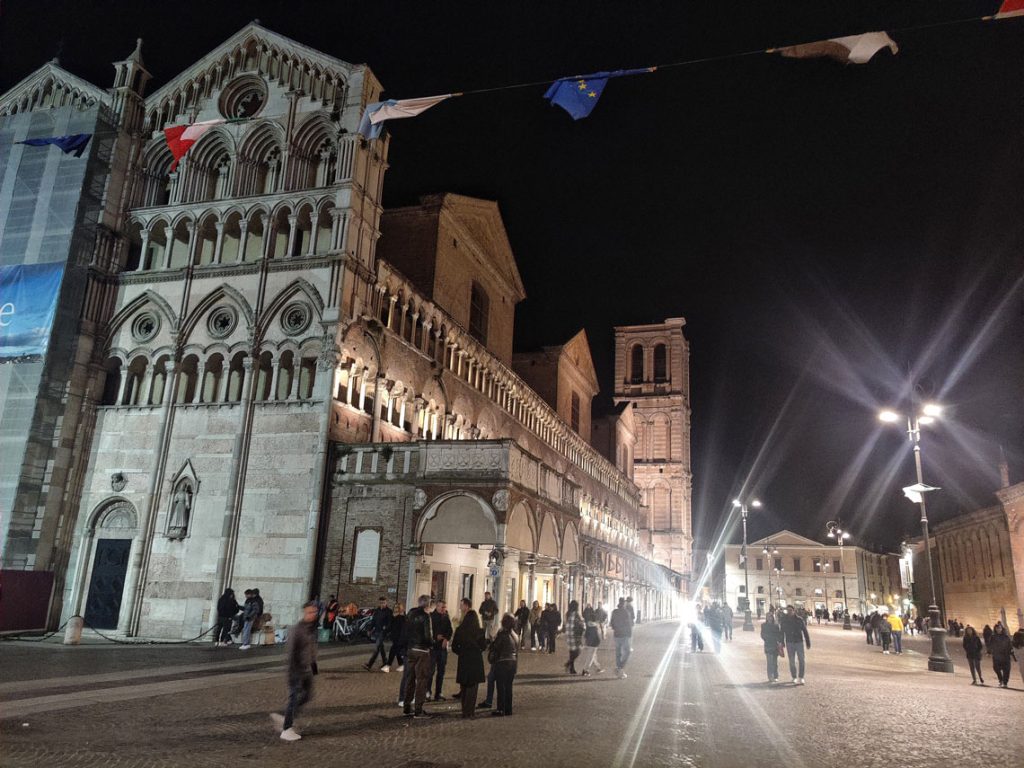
(353, 629)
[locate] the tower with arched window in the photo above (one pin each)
(652, 371)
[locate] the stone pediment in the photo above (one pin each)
(51, 86)
(577, 352)
(786, 538)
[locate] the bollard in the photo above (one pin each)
(73, 631)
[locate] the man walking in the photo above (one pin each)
(622, 629)
(301, 666)
(727, 615)
(379, 628)
(794, 629)
(439, 653)
(421, 640)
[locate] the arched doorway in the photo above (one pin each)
(114, 529)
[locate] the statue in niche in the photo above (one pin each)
(181, 511)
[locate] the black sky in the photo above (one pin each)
(828, 232)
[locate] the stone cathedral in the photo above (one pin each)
(255, 376)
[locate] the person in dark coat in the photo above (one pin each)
(554, 624)
(468, 644)
(523, 623)
(227, 607)
(773, 639)
(502, 655)
(795, 630)
(397, 633)
(381, 623)
(301, 668)
(439, 653)
(1002, 651)
(973, 648)
(986, 635)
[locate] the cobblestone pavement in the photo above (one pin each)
(859, 708)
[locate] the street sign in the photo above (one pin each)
(494, 572)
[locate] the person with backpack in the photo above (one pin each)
(227, 608)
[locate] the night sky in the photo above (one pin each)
(831, 233)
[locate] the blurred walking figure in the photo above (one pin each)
(885, 631)
(468, 644)
(381, 623)
(972, 649)
(697, 639)
(523, 623)
(301, 668)
(773, 640)
(1001, 649)
(1018, 648)
(398, 639)
(727, 615)
(795, 631)
(622, 629)
(574, 629)
(536, 627)
(591, 641)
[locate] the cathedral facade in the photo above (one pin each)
(257, 377)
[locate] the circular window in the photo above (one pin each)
(145, 327)
(222, 321)
(243, 97)
(295, 319)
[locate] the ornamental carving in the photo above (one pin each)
(419, 499)
(295, 318)
(221, 322)
(500, 500)
(460, 459)
(118, 482)
(145, 327)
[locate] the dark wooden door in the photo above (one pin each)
(110, 565)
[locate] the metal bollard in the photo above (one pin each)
(73, 630)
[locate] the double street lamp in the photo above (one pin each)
(748, 624)
(939, 660)
(835, 531)
(770, 552)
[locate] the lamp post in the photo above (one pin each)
(769, 552)
(835, 531)
(748, 624)
(939, 660)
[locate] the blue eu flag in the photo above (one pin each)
(74, 143)
(578, 95)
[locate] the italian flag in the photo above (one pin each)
(1010, 8)
(180, 138)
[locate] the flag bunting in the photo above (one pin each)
(73, 144)
(376, 114)
(180, 138)
(854, 49)
(579, 95)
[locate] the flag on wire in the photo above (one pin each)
(579, 95)
(180, 138)
(1010, 8)
(855, 49)
(75, 143)
(376, 114)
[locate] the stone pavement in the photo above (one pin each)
(202, 706)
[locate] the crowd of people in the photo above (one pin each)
(421, 640)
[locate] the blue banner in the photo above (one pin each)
(28, 301)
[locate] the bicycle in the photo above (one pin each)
(352, 629)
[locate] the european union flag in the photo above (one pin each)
(75, 143)
(578, 95)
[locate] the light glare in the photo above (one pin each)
(889, 417)
(932, 409)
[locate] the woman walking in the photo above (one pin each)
(1002, 651)
(536, 629)
(574, 629)
(468, 644)
(398, 639)
(972, 649)
(502, 656)
(772, 637)
(591, 641)
(885, 631)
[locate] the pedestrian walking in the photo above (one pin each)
(503, 658)
(468, 643)
(896, 625)
(537, 639)
(488, 614)
(1018, 649)
(439, 653)
(986, 636)
(396, 631)
(591, 642)
(1001, 648)
(876, 627)
(629, 607)
(379, 625)
(574, 629)
(727, 616)
(420, 633)
(696, 638)
(227, 608)
(795, 631)
(554, 624)
(713, 620)
(301, 656)
(972, 649)
(622, 629)
(523, 623)
(885, 631)
(773, 639)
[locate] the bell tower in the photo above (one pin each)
(652, 371)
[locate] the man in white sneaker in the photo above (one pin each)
(622, 628)
(794, 629)
(301, 668)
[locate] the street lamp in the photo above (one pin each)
(939, 660)
(769, 551)
(748, 624)
(835, 531)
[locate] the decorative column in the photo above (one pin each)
(225, 377)
(292, 229)
(314, 222)
(418, 404)
(293, 393)
(123, 385)
(190, 227)
(275, 365)
(144, 255)
(218, 246)
(197, 396)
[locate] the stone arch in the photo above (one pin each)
(520, 528)
(548, 543)
(570, 544)
(131, 308)
(114, 514)
(458, 517)
(222, 292)
(295, 288)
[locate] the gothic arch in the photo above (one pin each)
(296, 287)
(146, 297)
(219, 293)
(114, 514)
(458, 517)
(548, 543)
(520, 528)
